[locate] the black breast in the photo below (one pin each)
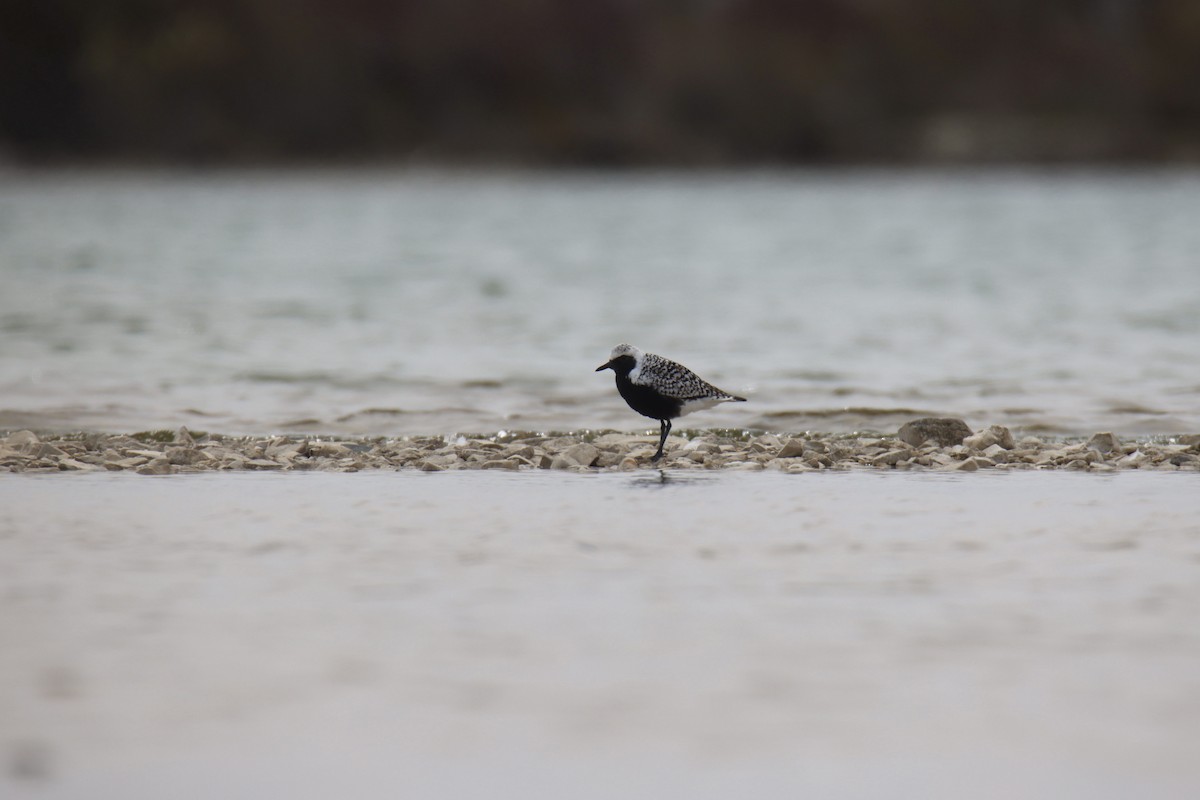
(646, 401)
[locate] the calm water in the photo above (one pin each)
(469, 635)
(398, 302)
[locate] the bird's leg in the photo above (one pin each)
(666, 428)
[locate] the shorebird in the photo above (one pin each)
(658, 388)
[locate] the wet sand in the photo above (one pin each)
(685, 633)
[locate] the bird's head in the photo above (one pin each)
(623, 358)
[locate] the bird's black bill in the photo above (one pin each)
(603, 367)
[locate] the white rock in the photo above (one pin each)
(72, 465)
(890, 458)
(126, 463)
(1135, 460)
(262, 463)
(792, 448)
(993, 435)
(21, 439)
(1103, 442)
(328, 449)
(768, 441)
(158, 466)
(500, 464)
(582, 455)
(997, 453)
(150, 454)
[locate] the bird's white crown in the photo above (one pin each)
(626, 350)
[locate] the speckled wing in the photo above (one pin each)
(675, 380)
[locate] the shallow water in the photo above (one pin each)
(459, 635)
(397, 302)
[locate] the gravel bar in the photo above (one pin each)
(994, 448)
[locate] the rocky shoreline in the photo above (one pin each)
(938, 445)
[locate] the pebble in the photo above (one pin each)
(992, 448)
(890, 458)
(792, 448)
(262, 463)
(156, 466)
(579, 455)
(1103, 442)
(995, 435)
(941, 430)
(72, 464)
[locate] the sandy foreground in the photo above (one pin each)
(678, 633)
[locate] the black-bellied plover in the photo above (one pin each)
(659, 388)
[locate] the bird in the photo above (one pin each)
(661, 389)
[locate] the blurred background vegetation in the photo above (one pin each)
(600, 82)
